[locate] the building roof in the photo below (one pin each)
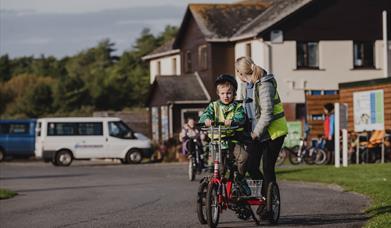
(218, 22)
(164, 50)
(177, 89)
(277, 11)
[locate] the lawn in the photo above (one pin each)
(5, 194)
(373, 180)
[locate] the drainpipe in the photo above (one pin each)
(170, 116)
(385, 46)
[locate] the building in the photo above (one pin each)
(309, 45)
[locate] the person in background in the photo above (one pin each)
(328, 126)
(268, 126)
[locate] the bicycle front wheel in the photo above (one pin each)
(191, 170)
(293, 155)
(212, 205)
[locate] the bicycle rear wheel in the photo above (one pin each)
(273, 203)
(201, 201)
(320, 157)
(212, 205)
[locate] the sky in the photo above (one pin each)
(62, 28)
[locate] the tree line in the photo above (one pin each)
(94, 79)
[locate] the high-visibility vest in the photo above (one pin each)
(278, 127)
(221, 117)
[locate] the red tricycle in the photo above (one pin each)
(220, 191)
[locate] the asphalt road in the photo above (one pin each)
(104, 194)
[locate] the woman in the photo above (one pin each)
(267, 120)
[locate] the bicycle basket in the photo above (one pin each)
(256, 187)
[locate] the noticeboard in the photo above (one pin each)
(294, 133)
(368, 110)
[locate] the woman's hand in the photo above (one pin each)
(253, 135)
(227, 122)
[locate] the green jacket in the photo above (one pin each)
(233, 111)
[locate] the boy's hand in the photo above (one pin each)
(227, 122)
(208, 122)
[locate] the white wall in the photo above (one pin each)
(335, 63)
(166, 66)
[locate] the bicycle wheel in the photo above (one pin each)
(309, 156)
(282, 156)
(293, 158)
(191, 170)
(320, 157)
(212, 205)
(273, 203)
(201, 201)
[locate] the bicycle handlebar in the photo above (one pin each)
(216, 125)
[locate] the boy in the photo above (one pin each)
(227, 110)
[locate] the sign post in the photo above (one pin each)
(336, 136)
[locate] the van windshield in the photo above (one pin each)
(119, 129)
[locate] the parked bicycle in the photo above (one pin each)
(314, 154)
(221, 191)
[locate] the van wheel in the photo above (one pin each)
(134, 156)
(63, 158)
(1, 155)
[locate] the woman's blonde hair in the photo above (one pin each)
(247, 67)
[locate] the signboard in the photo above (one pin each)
(343, 116)
(368, 110)
(294, 134)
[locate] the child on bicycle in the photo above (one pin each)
(228, 111)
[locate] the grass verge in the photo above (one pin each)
(372, 180)
(6, 194)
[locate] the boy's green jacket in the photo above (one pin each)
(218, 112)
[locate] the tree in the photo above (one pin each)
(5, 68)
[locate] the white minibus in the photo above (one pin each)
(61, 140)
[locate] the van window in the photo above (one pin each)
(90, 129)
(119, 129)
(18, 128)
(71, 129)
(4, 128)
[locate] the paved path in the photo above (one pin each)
(102, 194)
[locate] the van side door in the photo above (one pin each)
(21, 139)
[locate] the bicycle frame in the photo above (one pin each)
(225, 185)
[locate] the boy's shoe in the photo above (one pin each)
(244, 188)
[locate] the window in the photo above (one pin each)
(188, 63)
(174, 66)
(119, 129)
(317, 117)
(158, 68)
(363, 53)
(72, 129)
(248, 50)
(307, 55)
(4, 128)
(18, 128)
(90, 129)
(203, 56)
